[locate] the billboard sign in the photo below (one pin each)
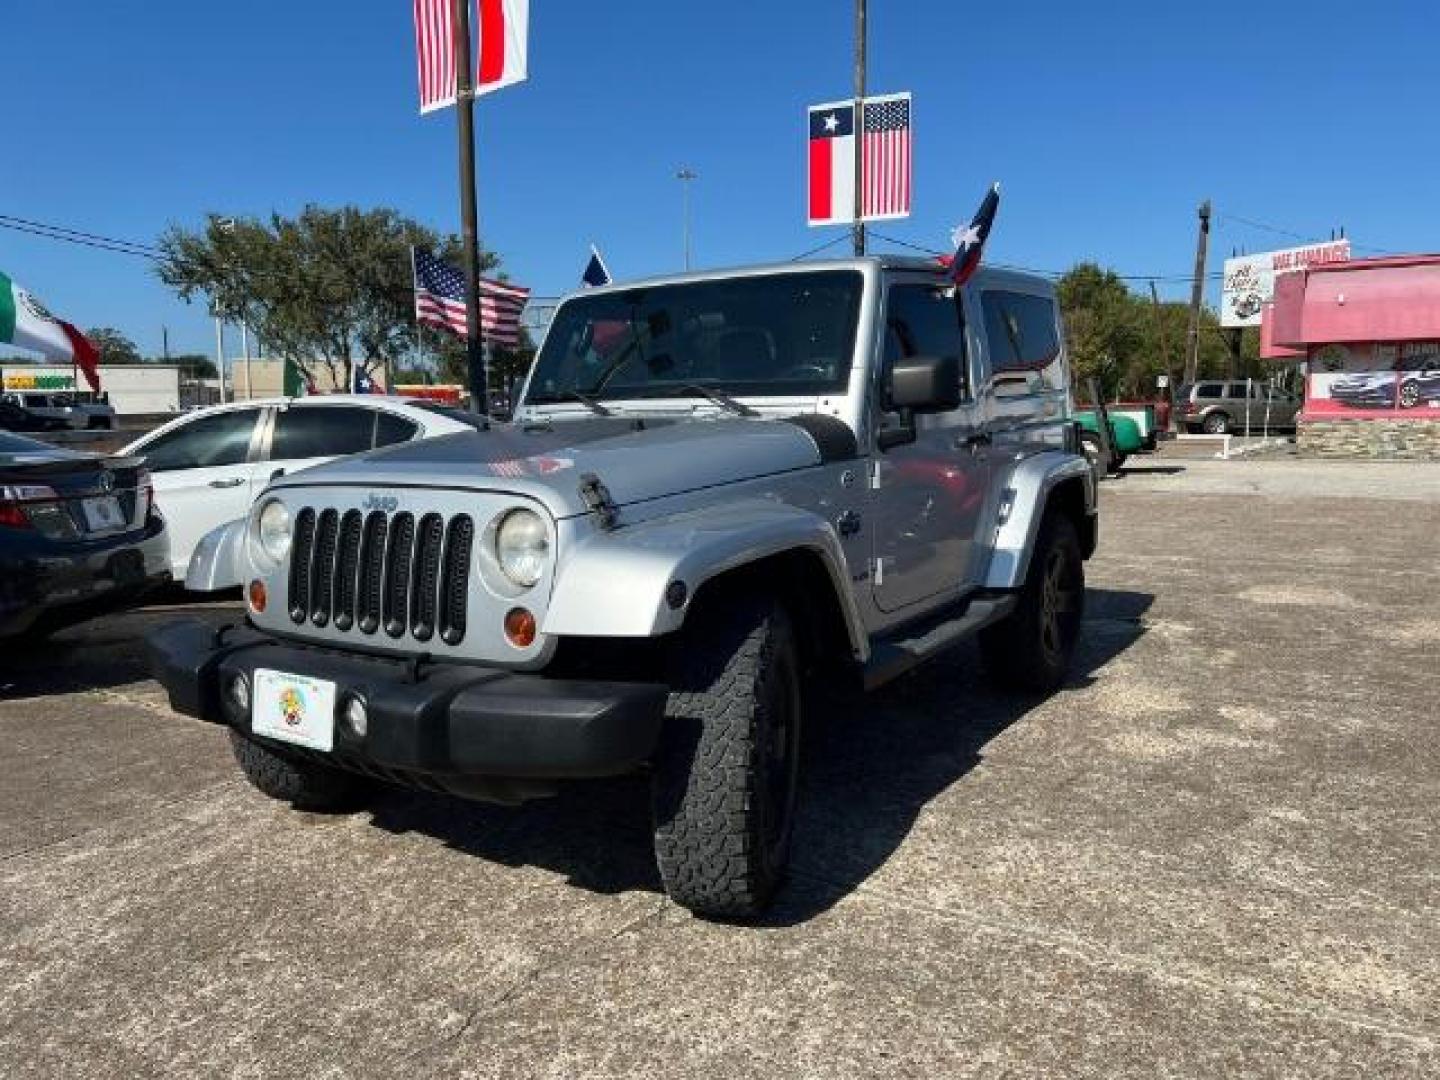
(1250, 279)
(1374, 381)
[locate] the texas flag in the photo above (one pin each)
(832, 163)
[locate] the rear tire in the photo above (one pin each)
(303, 784)
(727, 770)
(1031, 648)
(1217, 423)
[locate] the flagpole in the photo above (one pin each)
(469, 228)
(858, 228)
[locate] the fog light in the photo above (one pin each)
(357, 717)
(257, 596)
(239, 692)
(520, 628)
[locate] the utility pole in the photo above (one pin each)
(220, 356)
(479, 376)
(858, 229)
(165, 342)
(1197, 296)
(685, 175)
(1164, 348)
(245, 352)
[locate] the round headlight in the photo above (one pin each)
(522, 547)
(273, 530)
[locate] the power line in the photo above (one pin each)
(1214, 275)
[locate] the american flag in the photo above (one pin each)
(887, 165)
(435, 52)
(440, 301)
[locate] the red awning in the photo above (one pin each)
(1364, 300)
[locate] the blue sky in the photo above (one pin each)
(1106, 124)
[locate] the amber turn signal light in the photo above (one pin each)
(520, 628)
(257, 595)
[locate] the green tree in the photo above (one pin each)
(325, 288)
(113, 346)
(1121, 338)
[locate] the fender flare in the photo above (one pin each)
(614, 584)
(1023, 504)
(215, 564)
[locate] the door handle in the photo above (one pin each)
(277, 474)
(234, 481)
(974, 442)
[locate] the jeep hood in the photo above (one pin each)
(636, 459)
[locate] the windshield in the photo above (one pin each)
(779, 334)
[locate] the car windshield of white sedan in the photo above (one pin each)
(779, 334)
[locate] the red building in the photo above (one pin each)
(1368, 333)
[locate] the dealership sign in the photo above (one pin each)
(1250, 279)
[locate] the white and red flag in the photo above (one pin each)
(501, 32)
(886, 183)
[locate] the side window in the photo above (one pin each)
(310, 431)
(1020, 330)
(1208, 390)
(921, 320)
(391, 429)
(219, 439)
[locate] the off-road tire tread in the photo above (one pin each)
(705, 844)
(1011, 648)
(304, 785)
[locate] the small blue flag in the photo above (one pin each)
(595, 272)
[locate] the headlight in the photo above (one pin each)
(522, 547)
(272, 529)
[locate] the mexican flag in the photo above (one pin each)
(25, 323)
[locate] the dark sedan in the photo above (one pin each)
(1375, 389)
(79, 534)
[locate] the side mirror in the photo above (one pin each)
(925, 384)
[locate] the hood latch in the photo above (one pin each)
(596, 497)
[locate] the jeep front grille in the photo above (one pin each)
(372, 571)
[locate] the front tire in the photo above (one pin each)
(1217, 423)
(727, 769)
(303, 784)
(1031, 648)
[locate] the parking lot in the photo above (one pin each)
(1214, 853)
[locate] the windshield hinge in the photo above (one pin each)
(596, 497)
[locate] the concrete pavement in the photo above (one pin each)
(1214, 853)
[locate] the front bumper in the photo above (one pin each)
(446, 726)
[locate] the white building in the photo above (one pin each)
(133, 389)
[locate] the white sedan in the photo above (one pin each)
(208, 466)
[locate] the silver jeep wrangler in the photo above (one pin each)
(720, 492)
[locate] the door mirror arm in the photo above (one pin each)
(887, 438)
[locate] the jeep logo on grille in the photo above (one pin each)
(380, 502)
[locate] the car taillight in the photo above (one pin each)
(145, 488)
(14, 497)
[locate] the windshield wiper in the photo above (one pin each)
(725, 401)
(584, 399)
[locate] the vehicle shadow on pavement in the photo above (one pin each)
(871, 767)
(876, 765)
(100, 654)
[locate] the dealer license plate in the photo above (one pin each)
(294, 709)
(102, 513)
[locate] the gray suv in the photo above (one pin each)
(721, 492)
(1221, 408)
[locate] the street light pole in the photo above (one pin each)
(858, 228)
(685, 175)
(478, 373)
